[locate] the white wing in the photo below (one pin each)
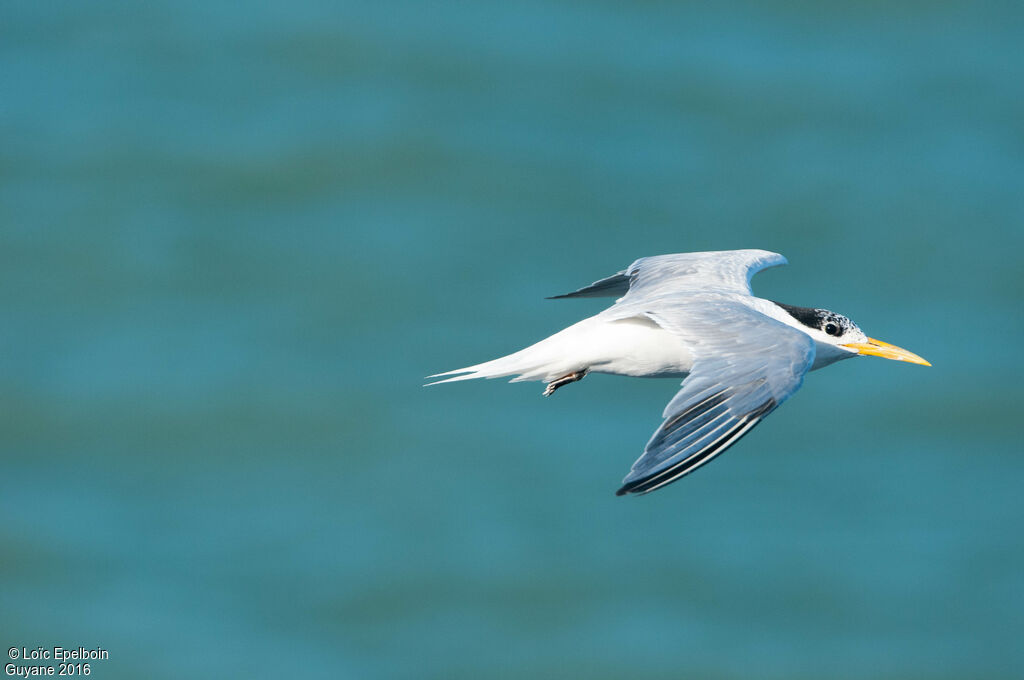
(727, 271)
(745, 365)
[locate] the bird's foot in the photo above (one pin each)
(564, 380)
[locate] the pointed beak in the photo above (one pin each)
(877, 348)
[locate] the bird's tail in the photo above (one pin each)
(520, 364)
(547, 360)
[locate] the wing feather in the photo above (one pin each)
(615, 285)
(720, 270)
(693, 451)
(726, 271)
(746, 364)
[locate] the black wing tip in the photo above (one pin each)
(639, 488)
(582, 292)
(614, 285)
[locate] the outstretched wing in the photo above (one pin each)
(745, 365)
(727, 271)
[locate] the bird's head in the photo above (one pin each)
(837, 337)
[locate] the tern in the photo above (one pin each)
(692, 315)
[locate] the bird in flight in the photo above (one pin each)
(692, 315)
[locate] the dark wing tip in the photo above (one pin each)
(626, 489)
(615, 285)
(639, 487)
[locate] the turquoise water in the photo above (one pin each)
(234, 240)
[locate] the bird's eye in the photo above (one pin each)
(832, 329)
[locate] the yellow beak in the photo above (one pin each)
(877, 348)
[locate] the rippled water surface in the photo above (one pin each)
(233, 239)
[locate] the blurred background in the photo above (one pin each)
(234, 238)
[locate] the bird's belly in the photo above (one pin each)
(635, 347)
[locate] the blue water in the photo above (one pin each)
(233, 240)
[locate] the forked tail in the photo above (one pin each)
(518, 364)
(550, 359)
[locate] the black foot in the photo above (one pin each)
(564, 380)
